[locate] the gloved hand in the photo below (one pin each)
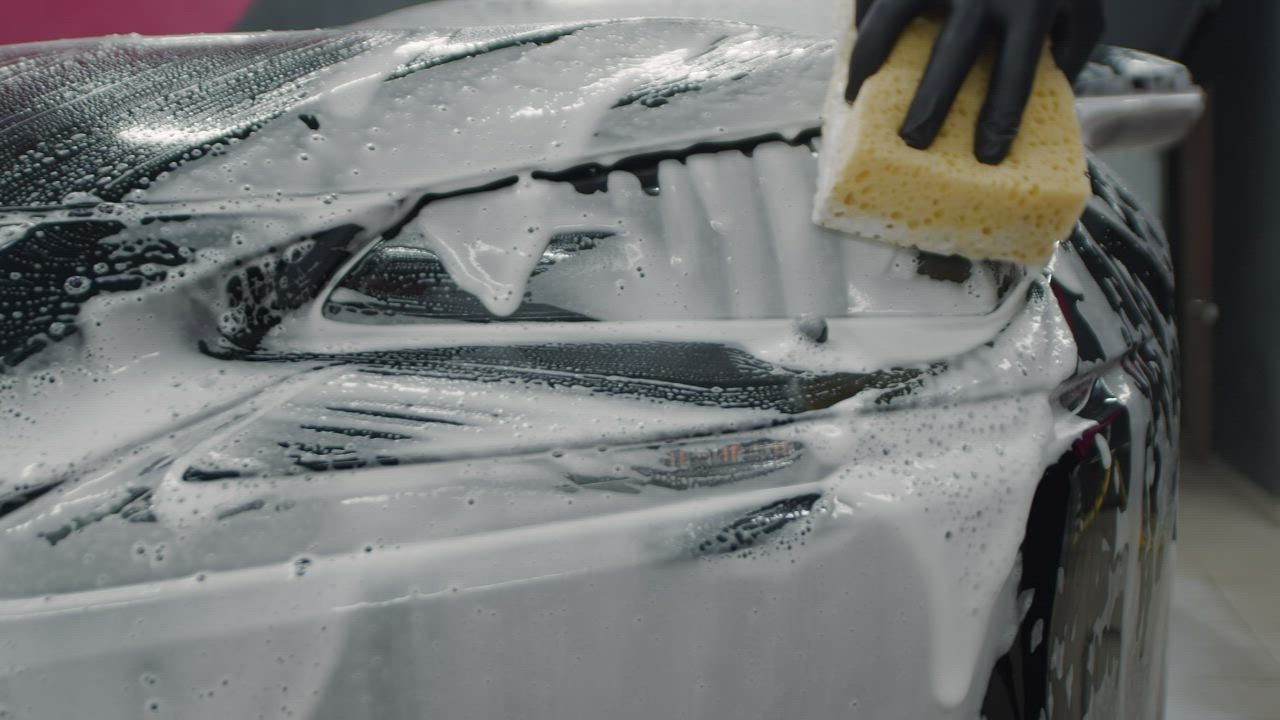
(1021, 26)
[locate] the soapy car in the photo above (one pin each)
(499, 373)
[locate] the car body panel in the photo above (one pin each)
(499, 373)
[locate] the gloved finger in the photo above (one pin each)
(1076, 32)
(1011, 83)
(877, 36)
(953, 56)
(862, 6)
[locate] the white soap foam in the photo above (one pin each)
(906, 579)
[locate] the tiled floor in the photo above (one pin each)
(1225, 656)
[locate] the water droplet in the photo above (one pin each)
(77, 285)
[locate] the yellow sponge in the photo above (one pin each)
(872, 184)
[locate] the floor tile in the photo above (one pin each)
(1272, 644)
(1181, 713)
(1188, 564)
(1224, 661)
(1244, 560)
(1200, 652)
(1200, 600)
(1208, 638)
(1257, 600)
(1213, 698)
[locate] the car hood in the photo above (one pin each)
(218, 404)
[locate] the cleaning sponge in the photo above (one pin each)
(872, 184)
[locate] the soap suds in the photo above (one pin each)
(269, 509)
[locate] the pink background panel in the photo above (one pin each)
(30, 20)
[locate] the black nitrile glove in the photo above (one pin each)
(1021, 26)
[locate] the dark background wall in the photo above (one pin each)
(1237, 57)
(1164, 27)
(303, 14)
(1232, 176)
